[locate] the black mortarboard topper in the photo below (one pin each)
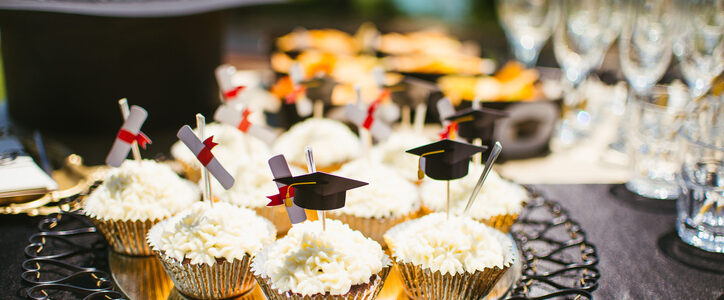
(476, 123)
(319, 190)
(445, 159)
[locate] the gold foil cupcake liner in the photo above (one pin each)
(126, 237)
(326, 169)
(225, 279)
(191, 171)
(254, 294)
(277, 215)
(499, 222)
(424, 210)
(367, 291)
(373, 228)
(423, 284)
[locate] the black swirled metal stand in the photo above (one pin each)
(63, 258)
(559, 261)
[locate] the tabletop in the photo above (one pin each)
(640, 254)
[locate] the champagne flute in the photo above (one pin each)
(617, 19)
(527, 24)
(646, 43)
(579, 43)
(644, 53)
(699, 46)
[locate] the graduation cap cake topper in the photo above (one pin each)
(446, 159)
(129, 136)
(319, 190)
(316, 191)
(475, 122)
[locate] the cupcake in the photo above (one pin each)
(134, 197)
(232, 144)
(498, 204)
(388, 199)
(253, 182)
(392, 153)
(315, 263)
(207, 250)
(333, 142)
(449, 258)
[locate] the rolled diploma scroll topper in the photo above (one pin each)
(280, 169)
(189, 138)
(230, 116)
(445, 109)
(223, 78)
(131, 126)
(303, 105)
(378, 129)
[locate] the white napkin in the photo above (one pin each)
(21, 176)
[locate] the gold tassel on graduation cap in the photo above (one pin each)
(287, 199)
(420, 172)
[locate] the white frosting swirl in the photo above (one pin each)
(332, 142)
(232, 144)
(309, 260)
(203, 233)
(392, 152)
(140, 190)
(387, 195)
(498, 196)
(455, 245)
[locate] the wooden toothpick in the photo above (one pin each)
(313, 168)
(447, 205)
(419, 122)
(201, 127)
(406, 117)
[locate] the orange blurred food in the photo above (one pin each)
(511, 83)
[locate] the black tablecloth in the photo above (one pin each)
(627, 233)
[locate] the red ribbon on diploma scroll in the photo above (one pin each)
(370, 114)
(292, 97)
(230, 94)
(128, 137)
(130, 132)
(449, 132)
(205, 155)
(244, 124)
(278, 199)
(383, 95)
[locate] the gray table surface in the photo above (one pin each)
(626, 234)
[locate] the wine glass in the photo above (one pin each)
(699, 46)
(617, 19)
(646, 42)
(644, 53)
(580, 42)
(527, 24)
